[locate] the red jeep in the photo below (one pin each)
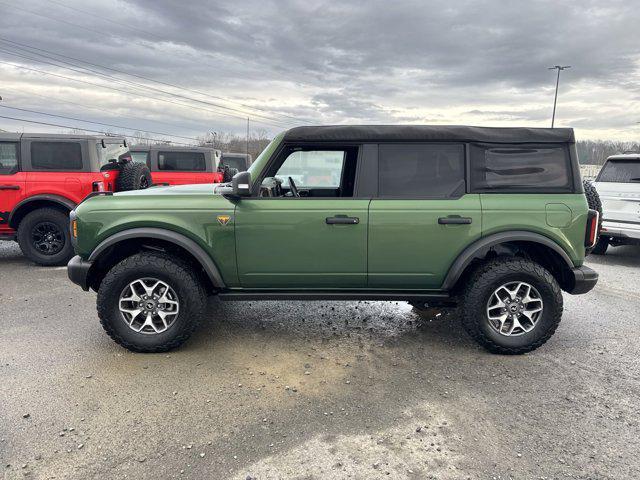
(171, 165)
(43, 177)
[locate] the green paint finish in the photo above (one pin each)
(408, 249)
(286, 243)
(558, 215)
(505, 212)
(191, 210)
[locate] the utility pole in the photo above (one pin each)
(247, 135)
(555, 99)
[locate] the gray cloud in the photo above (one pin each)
(481, 62)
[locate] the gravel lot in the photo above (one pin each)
(316, 390)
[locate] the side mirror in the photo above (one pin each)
(241, 184)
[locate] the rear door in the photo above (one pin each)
(12, 181)
(618, 185)
(422, 217)
(58, 167)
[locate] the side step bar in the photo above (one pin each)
(230, 296)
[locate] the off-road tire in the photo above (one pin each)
(38, 217)
(173, 271)
(601, 246)
(481, 285)
(133, 176)
(593, 200)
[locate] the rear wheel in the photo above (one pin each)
(43, 236)
(151, 302)
(511, 306)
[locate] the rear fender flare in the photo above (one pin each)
(44, 197)
(480, 247)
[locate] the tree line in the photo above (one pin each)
(595, 152)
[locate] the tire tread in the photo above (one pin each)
(175, 267)
(490, 272)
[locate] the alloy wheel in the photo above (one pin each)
(149, 306)
(47, 238)
(514, 309)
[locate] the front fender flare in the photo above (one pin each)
(170, 236)
(481, 246)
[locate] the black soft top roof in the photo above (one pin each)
(428, 133)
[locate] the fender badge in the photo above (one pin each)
(223, 219)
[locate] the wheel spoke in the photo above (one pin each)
(514, 308)
(149, 305)
(133, 312)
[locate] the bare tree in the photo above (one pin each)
(231, 142)
(595, 152)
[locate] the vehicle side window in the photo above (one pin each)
(496, 168)
(313, 168)
(56, 156)
(421, 170)
(8, 158)
(182, 161)
(235, 162)
(141, 157)
(620, 171)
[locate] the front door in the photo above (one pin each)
(12, 182)
(305, 230)
(422, 218)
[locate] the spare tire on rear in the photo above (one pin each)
(133, 176)
(593, 200)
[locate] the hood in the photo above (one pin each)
(197, 189)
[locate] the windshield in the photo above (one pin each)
(263, 158)
(620, 171)
(110, 151)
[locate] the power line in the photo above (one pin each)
(130, 93)
(163, 39)
(96, 123)
(93, 15)
(88, 130)
(88, 107)
(120, 80)
(297, 119)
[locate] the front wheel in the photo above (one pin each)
(511, 306)
(151, 302)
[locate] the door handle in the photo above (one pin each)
(454, 220)
(342, 220)
(9, 187)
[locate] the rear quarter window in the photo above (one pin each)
(620, 171)
(56, 156)
(182, 161)
(526, 168)
(8, 158)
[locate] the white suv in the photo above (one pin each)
(618, 185)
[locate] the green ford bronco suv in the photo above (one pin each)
(494, 220)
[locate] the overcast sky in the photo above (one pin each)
(293, 62)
